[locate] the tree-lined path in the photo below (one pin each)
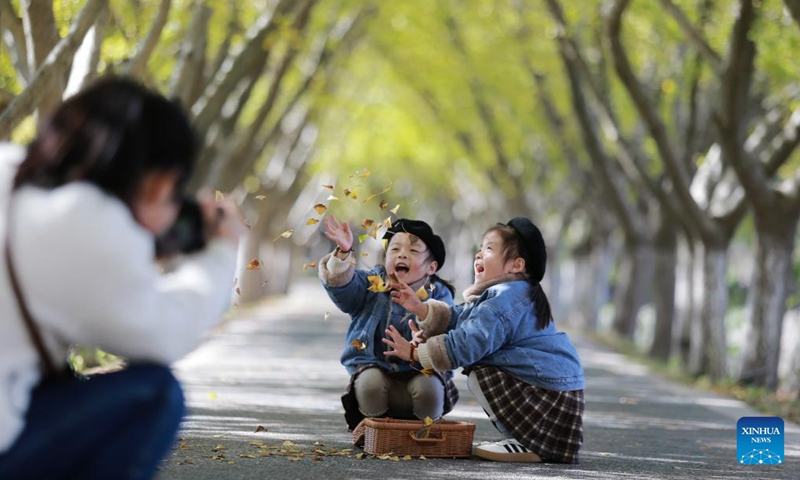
(276, 366)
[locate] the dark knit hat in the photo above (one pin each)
(533, 249)
(424, 232)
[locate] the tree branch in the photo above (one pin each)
(60, 56)
(188, 74)
(794, 9)
(16, 43)
(678, 176)
(41, 34)
(238, 66)
(736, 82)
(694, 36)
(145, 49)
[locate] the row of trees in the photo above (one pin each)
(646, 137)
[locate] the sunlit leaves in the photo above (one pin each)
(312, 221)
(422, 294)
(320, 209)
(378, 284)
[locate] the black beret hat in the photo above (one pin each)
(424, 232)
(533, 249)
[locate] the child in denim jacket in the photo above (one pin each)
(381, 386)
(525, 374)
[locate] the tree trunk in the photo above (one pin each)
(664, 290)
(684, 302)
(633, 281)
(708, 355)
(769, 291)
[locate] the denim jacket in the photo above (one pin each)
(371, 314)
(499, 329)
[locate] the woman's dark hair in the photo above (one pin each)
(514, 248)
(112, 134)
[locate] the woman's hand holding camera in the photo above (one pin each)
(223, 217)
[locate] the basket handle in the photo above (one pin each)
(413, 436)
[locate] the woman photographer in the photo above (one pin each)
(80, 210)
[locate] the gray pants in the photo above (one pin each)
(379, 394)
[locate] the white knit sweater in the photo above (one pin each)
(86, 269)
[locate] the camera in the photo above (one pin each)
(188, 234)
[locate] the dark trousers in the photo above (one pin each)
(112, 426)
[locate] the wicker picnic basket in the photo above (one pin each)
(380, 436)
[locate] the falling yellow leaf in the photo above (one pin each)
(320, 208)
(354, 194)
(309, 265)
(387, 222)
(365, 254)
(312, 221)
(327, 316)
(254, 264)
(347, 192)
(395, 209)
(422, 294)
(332, 197)
(374, 232)
(378, 284)
(361, 238)
(367, 223)
(384, 204)
(370, 198)
(219, 196)
(286, 234)
(365, 173)
(260, 428)
(329, 187)
(260, 197)
(358, 344)
(212, 395)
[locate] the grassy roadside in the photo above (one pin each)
(766, 402)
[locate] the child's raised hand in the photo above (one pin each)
(417, 335)
(401, 348)
(408, 299)
(339, 233)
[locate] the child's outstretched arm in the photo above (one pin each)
(339, 233)
(433, 316)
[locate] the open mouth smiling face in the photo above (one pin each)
(408, 258)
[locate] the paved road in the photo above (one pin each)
(276, 366)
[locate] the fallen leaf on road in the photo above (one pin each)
(219, 448)
(261, 428)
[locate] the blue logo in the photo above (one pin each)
(759, 440)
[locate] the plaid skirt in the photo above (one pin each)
(353, 415)
(548, 422)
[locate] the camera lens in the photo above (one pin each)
(187, 234)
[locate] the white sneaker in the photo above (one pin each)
(508, 450)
